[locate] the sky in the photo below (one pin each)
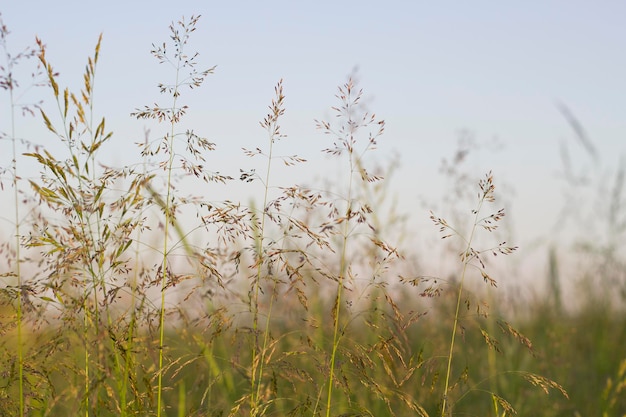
(434, 71)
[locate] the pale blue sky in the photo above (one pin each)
(430, 69)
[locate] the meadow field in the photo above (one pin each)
(133, 291)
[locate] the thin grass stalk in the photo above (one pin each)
(182, 399)
(130, 336)
(257, 368)
(492, 360)
(86, 319)
(342, 262)
(172, 114)
(129, 341)
(168, 220)
(338, 297)
(18, 245)
(8, 82)
(452, 340)
(346, 141)
(271, 125)
(466, 260)
(469, 255)
(256, 381)
(258, 353)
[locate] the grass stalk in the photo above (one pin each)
(9, 82)
(454, 327)
(172, 114)
(337, 303)
(270, 123)
(336, 312)
(346, 136)
(18, 256)
(466, 260)
(132, 325)
(164, 264)
(470, 258)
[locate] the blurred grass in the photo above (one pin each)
(583, 351)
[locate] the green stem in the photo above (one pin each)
(133, 317)
(168, 220)
(341, 279)
(260, 236)
(20, 351)
(453, 338)
(258, 362)
(466, 260)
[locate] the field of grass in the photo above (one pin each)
(122, 295)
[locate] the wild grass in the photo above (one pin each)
(471, 258)
(16, 101)
(142, 300)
